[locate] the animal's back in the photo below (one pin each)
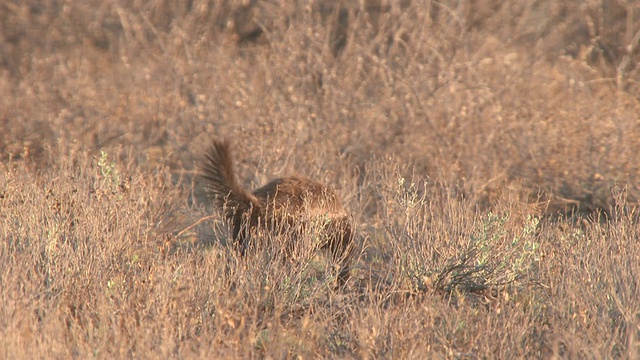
(301, 196)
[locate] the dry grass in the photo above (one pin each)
(489, 153)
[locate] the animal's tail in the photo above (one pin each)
(221, 184)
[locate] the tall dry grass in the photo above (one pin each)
(487, 150)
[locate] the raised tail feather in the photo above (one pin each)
(221, 184)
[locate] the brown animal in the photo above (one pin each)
(285, 204)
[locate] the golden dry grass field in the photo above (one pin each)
(487, 150)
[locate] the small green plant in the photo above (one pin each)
(527, 248)
(490, 234)
(492, 260)
(109, 172)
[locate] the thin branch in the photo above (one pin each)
(195, 224)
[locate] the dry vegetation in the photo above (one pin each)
(488, 151)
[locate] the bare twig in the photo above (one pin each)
(195, 224)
